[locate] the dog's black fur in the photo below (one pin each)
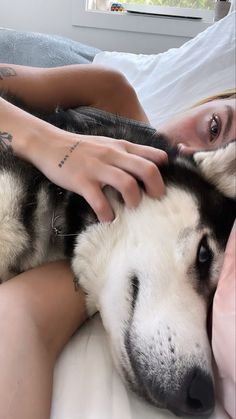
(91, 121)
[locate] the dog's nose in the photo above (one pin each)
(195, 397)
(200, 392)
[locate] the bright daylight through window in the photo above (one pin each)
(149, 5)
(194, 4)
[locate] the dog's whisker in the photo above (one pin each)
(58, 230)
(31, 203)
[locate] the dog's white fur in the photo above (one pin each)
(219, 167)
(169, 312)
(12, 233)
(14, 237)
(162, 254)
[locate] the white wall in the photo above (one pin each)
(55, 16)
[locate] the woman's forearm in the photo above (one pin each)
(20, 130)
(80, 163)
(72, 86)
(45, 88)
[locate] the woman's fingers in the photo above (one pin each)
(123, 182)
(150, 153)
(142, 169)
(113, 162)
(88, 163)
(97, 200)
(120, 180)
(136, 165)
(106, 144)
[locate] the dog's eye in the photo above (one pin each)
(204, 257)
(203, 254)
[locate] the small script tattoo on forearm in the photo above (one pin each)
(7, 72)
(66, 157)
(5, 140)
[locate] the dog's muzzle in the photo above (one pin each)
(179, 385)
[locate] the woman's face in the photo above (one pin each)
(206, 126)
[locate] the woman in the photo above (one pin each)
(39, 309)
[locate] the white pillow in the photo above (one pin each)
(172, 81)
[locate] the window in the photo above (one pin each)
(193, 4)
(154, 6)
(97, 14)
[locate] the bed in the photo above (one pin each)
(86, 384)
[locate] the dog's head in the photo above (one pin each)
(152, 272)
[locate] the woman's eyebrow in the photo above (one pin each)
(230, 115)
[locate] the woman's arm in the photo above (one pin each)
(72, 86)
(89, 162)
(39, 312)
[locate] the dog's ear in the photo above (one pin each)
(219, 167)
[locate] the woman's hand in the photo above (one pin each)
(85, 164)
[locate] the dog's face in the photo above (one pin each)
(147, 285)
(151, 274)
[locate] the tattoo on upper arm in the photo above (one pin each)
(7, 72)
(5, 140)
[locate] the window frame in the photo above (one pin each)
(171, 26)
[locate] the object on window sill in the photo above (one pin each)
(117, 7)
(221, 9)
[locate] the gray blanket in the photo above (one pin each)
(41, 50)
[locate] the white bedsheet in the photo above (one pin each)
(170, 82)
(86, 385)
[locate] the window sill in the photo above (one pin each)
(171, 26)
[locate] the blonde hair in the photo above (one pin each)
(227, 94)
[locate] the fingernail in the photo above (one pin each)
(108, 219)
(165, 158)
(181, 147)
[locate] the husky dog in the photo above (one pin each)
(151, 273)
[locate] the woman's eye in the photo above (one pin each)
(214, 127)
